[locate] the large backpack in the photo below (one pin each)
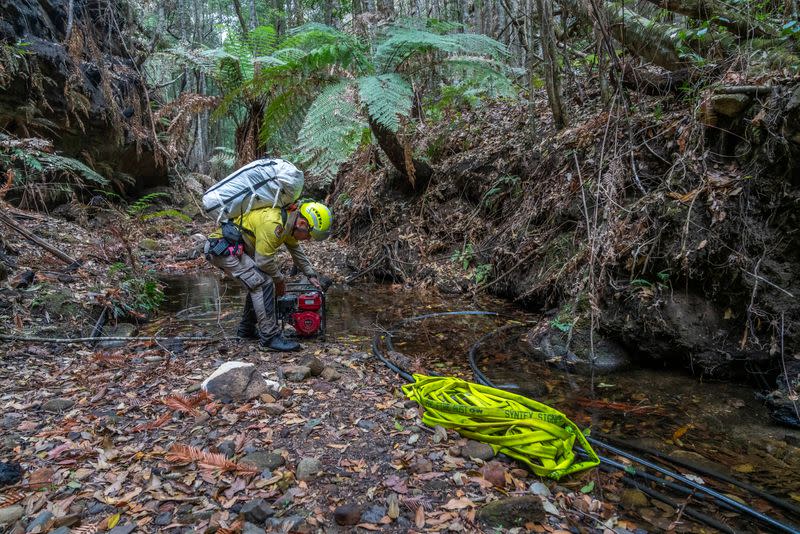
(268, 182)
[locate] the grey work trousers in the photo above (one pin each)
(259, 287)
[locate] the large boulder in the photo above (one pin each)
(235, 381)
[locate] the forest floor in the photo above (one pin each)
(119, 437)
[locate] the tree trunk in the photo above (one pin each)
(533, 119)
(400, 159)
(719, 13)
(248, 135)
(552, 72)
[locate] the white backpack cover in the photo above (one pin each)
(268, 182)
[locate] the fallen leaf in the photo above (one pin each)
(458, 504)
(419, 517)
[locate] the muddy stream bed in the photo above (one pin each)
(719, 426)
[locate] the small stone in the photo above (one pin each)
(273, 408)
(477, 449)
(330, 374)
(634, 498)
(9, 514)
(314, 364)
(439, 434)
(256, 511)
(99, 508)
(730, 105)
(163, 519)
(295, 373)
(41, 523)
(227, 448)
(347, 514)
(537, 488)
(421, 466)
(266, 397)
(366, 424)
(57, 405)
(60, 530)
(308, 468)
(124, 529)
(264, 460)
(373, 514)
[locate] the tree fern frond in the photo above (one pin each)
(283, 115)
(387, 98)
(479, 44)
(331, 131)
(404, 42)
(262, 40)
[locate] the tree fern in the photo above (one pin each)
(331, 131)
(386, 97)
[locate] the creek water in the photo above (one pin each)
(717, 425)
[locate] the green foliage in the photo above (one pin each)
(386, 98)
(140, 294)
(144, 202)
(12, 60)
(504, 188)
(482, 273)
(331, 131)
(222, 160)
(168, 214)
(791, 29)
(465, 256)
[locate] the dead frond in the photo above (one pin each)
(181, 404)
(10, 497)
(183, 454)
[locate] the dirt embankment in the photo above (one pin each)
(673, 233)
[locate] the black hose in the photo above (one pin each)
(691, 512)
(720, 497)
(485, 381)
(777, 501)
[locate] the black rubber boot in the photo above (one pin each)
(248, 325)
(280, 344)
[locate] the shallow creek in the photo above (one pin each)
(721, 426)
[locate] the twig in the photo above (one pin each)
(792, 395)
(5, 219)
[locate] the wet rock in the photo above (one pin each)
(9, 514)
(235, 381)
(512, 512)
(41, 523)
(633, 498)
(314, 364)
(537, 488)
(295, 373)
(256, 511)
(264, 460)
(57, 405)
(477, 449)
(575, 352)
(308, 468)
(347, 514)
(366, 424)
(10, 473)
(330, 374)
(373, 514)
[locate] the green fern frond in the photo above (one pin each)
(404, 42)
(479, 44)
(387, 97)
(262, 40)
(284, 114)
(54, 163)
(331, 131)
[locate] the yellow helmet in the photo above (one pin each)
(319, 219)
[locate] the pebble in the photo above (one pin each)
(250, 528)
(537, 488)
(256, 511)
(41, 523)
(330, 374)
(9, 514)
(308, 468)
(373, 514)
(227, 448)
(295, 373)
(273, 408)
(421, 466)
(163, 519)
(477, 449)
(264, 460)
(124, 529)
(634, 498)
(366, 424)
(314, 364)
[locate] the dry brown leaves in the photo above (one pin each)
(182, 454)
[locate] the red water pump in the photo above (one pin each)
(303, 307)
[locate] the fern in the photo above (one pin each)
(144, 202)
(386, 96)
(331, 131)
